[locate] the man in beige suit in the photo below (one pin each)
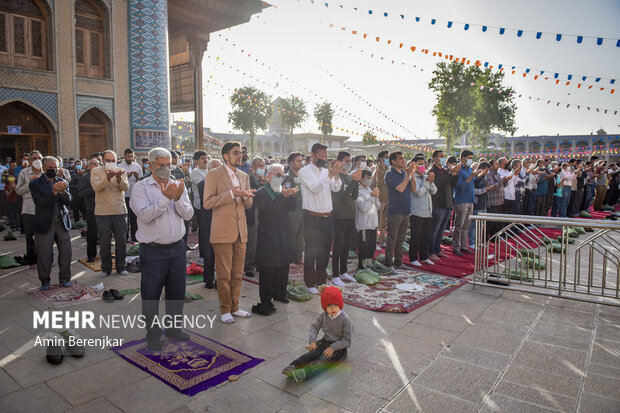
(227, 192)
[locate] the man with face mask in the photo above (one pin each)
(245, 165)
(422, 189)
(366, 220)
(445, 181)
(464, 199)
(86, 192)
(291, 180)
(134, 174)
(257, 180)
(276, 250)
(52, 223)
(175, 166)
(26, 176)
(317, 182)
(378, 181)
(162, 207)
(344, 219)
(227, 192)
(110, 183)
(495, 195)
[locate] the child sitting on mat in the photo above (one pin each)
(337, 331)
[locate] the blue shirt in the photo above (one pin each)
(398, 202)
(464, 191)
(246, 168)
(541, 189)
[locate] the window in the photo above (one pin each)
(89, 35)
(22, 34)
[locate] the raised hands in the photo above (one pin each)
(119, 174)
(375, 193)
(336, 169)
(357, 175)
(431, 177)
(59, 187)
(245, 193)
(412, 168)
(455, 170)
(110, 174)
(174, 190)
(290, 192)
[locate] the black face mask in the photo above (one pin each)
(50, 173)
(321, 163)
(244, 159)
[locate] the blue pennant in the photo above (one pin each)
(538, 35)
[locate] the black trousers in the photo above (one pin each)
(204, 246)
(162, 267)
(318, 234)
(344, 233)
(420, 238)
(314, 362)
(132, 221)
(541, 206)
(366, 244)
(272, 283)
(91, 234)
(31, 255)
(493, 227)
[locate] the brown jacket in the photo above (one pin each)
(378, 181)
(228, 222)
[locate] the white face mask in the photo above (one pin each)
(37, 164)
(363, 165)
(110, 166)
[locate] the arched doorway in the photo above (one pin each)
(94, 133)
(22, 130)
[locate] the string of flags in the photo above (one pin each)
(484, 28)
(578, 151)
(525, 72)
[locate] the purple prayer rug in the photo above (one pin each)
(188, 366)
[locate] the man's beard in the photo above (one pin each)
(277, 189)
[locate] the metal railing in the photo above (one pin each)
(521, 254)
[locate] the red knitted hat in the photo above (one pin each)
(331, 295)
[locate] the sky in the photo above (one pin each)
(324, 63)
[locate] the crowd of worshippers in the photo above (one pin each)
(259, 215)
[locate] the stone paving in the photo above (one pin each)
(482, 350)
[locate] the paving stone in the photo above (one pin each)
(150, 395)
(471, 311)
(331, 390)
(459, 379)
(34, 368)
(606, 352)
(37, 398)
(516, 306)
(416, 398)
(564, 330)
(80, 386)
(310, 404)
(245, 395)
(573, 305)
(501, 325)
(567, 386)
(268, 343)
(590, 403)
(405, 346)
(497, 403)
(478, 356)
(603, 370)
(525, 297)
(560, 342)
(535, 396)
(297, 327)
(499, 341)
(443, 321)
(608, 331)
(271, 373)
(411, 365)
(7, 383)
(578, 318)
(604, 386)
(505, 313)
(422, 332)
(552, 359)
(100, 405)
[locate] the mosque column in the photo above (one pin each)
(148, 74)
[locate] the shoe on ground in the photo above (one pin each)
(227, 318)
(416, 263)
(429, 262)
(75, 350)
(378, 248)
(435, 257)
(337, 281)
(54, 354)
(347, 277)
(67, 284)
(392, 271)
(299, 375)
(442, 255)
(104, 274)
(467, 250)
(209, 286)
(288, 371)
(108, 297)
(124, 272)
(490, 256)
(242, 314)
(313, 291)
(249, 274)
(90, 260)
(116, 294)
(44, 287)
(458, 253)
(153, 343)
(472, 246)
(282, 300)
(262, 309)
(177, 334)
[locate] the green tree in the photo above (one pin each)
(465, 108)
(293, 115)
(323, 114)
(251, 112)
(369, 138)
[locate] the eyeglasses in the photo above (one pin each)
(278, 175)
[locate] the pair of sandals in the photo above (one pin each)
(112, 295)
(54, 351)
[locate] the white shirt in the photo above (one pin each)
(567, 177)
(197, 176)
(160, 219)
(509, 189)
(366, 216)
(134, 167)
(316, 189)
